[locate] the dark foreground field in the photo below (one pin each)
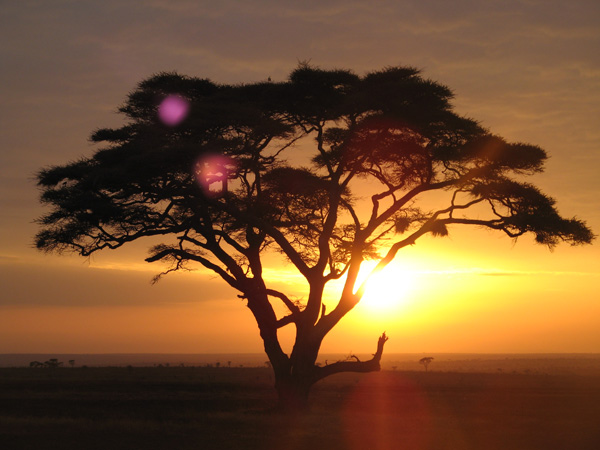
(229, 408)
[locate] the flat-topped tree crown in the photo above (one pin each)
(328, 168)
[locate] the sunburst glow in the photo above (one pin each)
(387, 291)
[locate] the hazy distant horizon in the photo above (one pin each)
(524, 363)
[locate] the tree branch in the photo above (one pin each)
(286, 320)
(375, 221)
(372, 365)
(182, 254)
(277, 236)
(290, 305)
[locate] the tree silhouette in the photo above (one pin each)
(53, 363)
(327, 168)
(426, 361)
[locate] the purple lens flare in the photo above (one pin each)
(173, 110)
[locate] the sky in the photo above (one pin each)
(528, 70)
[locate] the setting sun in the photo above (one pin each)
(387, 291)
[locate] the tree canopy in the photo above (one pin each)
(328, 168)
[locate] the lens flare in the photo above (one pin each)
(213, 172)
(173, 110)
(387, 411)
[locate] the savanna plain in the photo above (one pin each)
(232, 408)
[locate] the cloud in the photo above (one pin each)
(5, 259)
(79, 286)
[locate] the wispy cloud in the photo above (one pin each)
(5, 259)
(505, 273)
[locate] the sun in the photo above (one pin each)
(387, 292)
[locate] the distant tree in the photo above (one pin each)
(426, 361)
(53, 363)
(72, 362)
(327, 168)
(36, 364)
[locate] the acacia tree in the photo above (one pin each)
(426, 361)
(327, 168)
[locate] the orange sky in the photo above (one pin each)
(528, 71)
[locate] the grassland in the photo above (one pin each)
(230, 408)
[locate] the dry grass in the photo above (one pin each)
(221, 408)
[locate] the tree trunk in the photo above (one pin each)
(292, 394)
(293, 385)
(295, 375)
(294, 380)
